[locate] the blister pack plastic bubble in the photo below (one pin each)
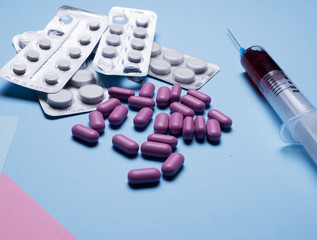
(58, 52)
(20, 41)
(125, 47)
(174, 67)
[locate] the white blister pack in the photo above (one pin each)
(48, 62)
(173, 67)
(125, 47)
(20, 41)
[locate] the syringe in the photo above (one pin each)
(299, 116)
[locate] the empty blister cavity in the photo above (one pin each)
(91, 93)
(62, 99)
(21, 40)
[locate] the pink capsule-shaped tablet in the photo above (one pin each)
(201, 96)
(161, 123)
(147, 90)
(96, 121)
(141, 102)
(200, 127)
(144, 175)
(175, 125)
(85, 133)
(213, 130)
(125, 144)
(172, 164)
(143, 117)
(224, 120)
(179, 107)
(118, 115)
(188, 128)
(194, 103)
(175, 93)
(107, 107)
(162, 138)
(121, 93)
(163, 97)
(156, 149)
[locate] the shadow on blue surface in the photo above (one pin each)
(171, 178)
(144, 185)
(16, 91)
(129, 156)
(91, 145)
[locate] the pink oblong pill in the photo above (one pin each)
(179, 107)
(156, 149)
(121, 93)
(147, 90)
(213, 130)
(118, 115)
(176, 123)
(194, 103)
(143, 117)
(161, 123)
(188, 128)
(175, 93)
(96, 121)
(162, 138)
(125, 144)
(224, 120)
(144, 175)
(163, 96)
(85, 133)
(172, 164)
(141, 102)
(200, 127)
(107, 107)
(201, 96)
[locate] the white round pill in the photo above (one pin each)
(139, 32)
(74, 52)
(137, 44)
(91, 94)
(113, 40)
(134, 56)
(94, 24)
(61, 99)
(156, 50)
(183, 75)
(173, 56)
(32, 55)
(50, 78)
(19, 68)
(116, 28)
(142, 21)
(198, 65)
(84, 38)
(160, 66)
(63, 64)
(44, 43)
(81, 78)
(109, 52)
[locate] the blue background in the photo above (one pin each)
(250, 186)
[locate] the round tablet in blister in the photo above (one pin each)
(44, 43)
(91, 94)
(142, 21)
(82, 77)
(61, 99)
(156, 50)
(84, 38)
(173, 57)
(94, 24)
(50, 78)
(137, 44)
(116, 29)
(183, 75)
(113, 40)
(139, 32)
(63, 64)
(134, 56)
(19, 68)
(160, 66)
(109, 52)
(198, 65)
(74, 52)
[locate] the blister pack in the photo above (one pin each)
(49, 61)
(173, 67)
(20, 41)
(125, 47)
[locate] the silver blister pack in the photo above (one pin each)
(125, 47)
(21, 40)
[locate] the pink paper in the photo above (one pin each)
(23, 218)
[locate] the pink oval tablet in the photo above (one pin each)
(224, 120)
(200, 127)
(162, 138)
(175, 93)
(96, 121)
(147, 90)
(143, 117)
(201, 96)
(175, 125)
(144, 175)
(107, 107)
(161, 123)
(213, 130)
(121, 93)
(163, 96)
(85, 133)
(194, 103)
(156, 149)
(172, 164)
(141, 102)
(118, 115)
(188, 128)
(179, 107)
(125, 144)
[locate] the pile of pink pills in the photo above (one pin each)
(160, 144)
